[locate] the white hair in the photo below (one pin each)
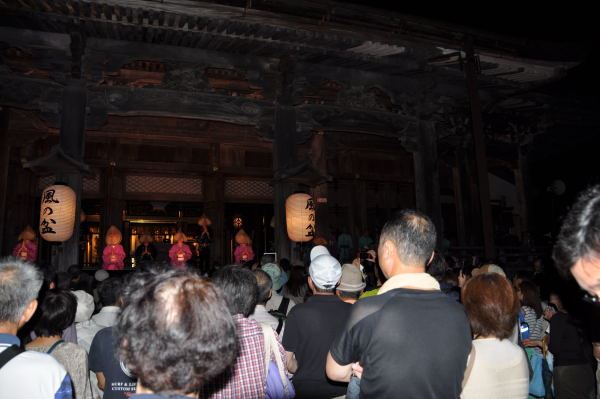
(20, 283)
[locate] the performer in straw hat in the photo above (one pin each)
(243, 253)
(180, 253)
(204, 241)
(113, 254)
(146, 251)
(27, 247)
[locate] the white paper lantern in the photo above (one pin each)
(57, 213)
(300, 217)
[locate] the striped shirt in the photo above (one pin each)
(537, 325)
(246, 377)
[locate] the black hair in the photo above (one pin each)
(552, 306)
(350, 294)
(531, 297)
(85, 283)
(109, 291)
(63, 281)
(175, 332)
(264, 282)
(437, 267)
(580, 232)
(320, 290)
(240, 288)
(74, 271)
(413, 234)
(285, 264)
(56, 313)
(297, 285)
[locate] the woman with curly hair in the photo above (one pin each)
(175, 334)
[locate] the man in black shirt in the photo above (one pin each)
(411, 339)
(310, 329)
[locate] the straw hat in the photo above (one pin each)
(27, 234)
(242, 238)
(204, 220)
(180, 236)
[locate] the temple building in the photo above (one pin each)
(159, 112)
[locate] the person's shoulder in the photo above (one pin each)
(559, 317)
(106, 331)
(528, 310)
(38, 364)
(366, 307)
(499, 352)
(103, 335)
(72, 348)
(373, 302)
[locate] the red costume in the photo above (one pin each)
(179, 253)
(113, 254)
(243, 252)
(26, 249)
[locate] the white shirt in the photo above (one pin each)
(262, 315)
(275, 300)
(107, 317)
(86, 331)
(30, 375)
(500, 371)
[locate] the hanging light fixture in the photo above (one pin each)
(237, 221)
(57, 213)
(300, 217)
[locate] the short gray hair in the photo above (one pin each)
(20, 283)
(413, 234)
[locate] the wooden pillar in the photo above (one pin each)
(4, 165)
(459, 206)
(480, 153)
(214, 204)
(114, 203)
(359, 204)
(319, 160)
(521, 182)
(283, 155)
(427, 185)
(72, 141)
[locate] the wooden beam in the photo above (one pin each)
(480, 151)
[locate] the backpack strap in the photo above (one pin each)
(272, 350)
(10, 353)
(282, 310)
(54, 346)
(283, 305)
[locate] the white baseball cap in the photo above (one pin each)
(325, 271)
(318, 250)
(85, 306)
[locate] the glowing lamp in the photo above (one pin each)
(57, 213)
(300, 217)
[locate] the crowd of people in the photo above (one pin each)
(397, 322)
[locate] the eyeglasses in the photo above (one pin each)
(591, 298)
